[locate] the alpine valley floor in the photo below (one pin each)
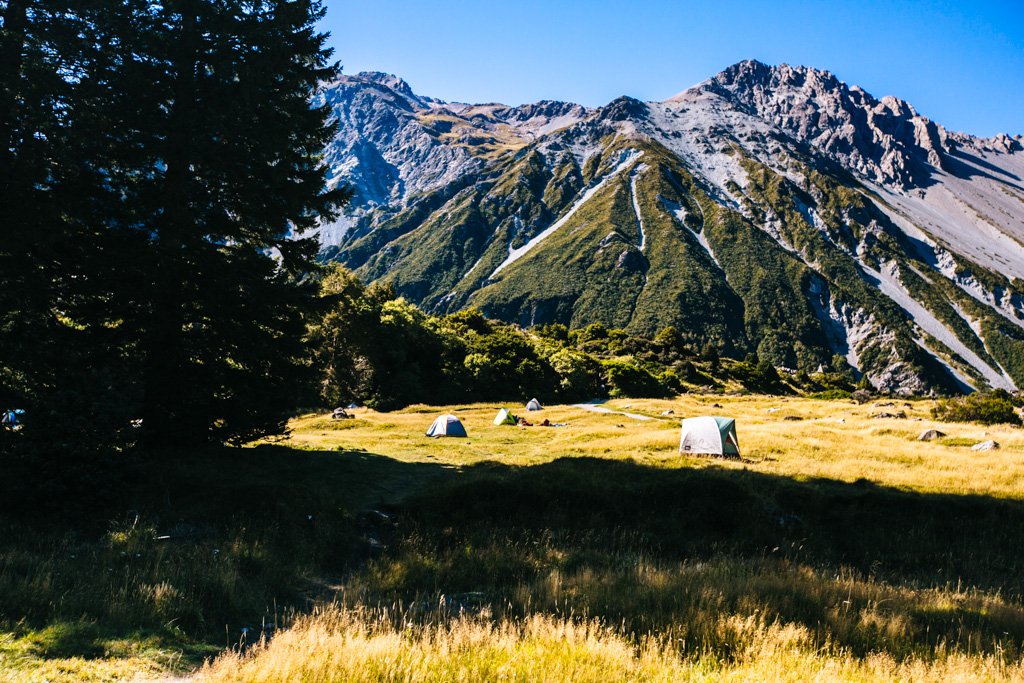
(838, 548)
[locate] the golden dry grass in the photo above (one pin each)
(833, 439)
(730, 618)
(725, 606)
(338, 645)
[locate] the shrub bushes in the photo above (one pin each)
(996, 407)
(627, 379)
(375, 349)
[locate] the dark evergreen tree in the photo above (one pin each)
(160, 167)
(236, 181)
(28, 122)
(54, 352)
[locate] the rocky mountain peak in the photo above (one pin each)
(388, 81)
(885, 140)
(735, 195)
(545, 108)
(624, 109)
(1007, 144)
(753, 75)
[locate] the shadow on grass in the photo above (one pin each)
(695, 554)
(976, 540)
(188, 548)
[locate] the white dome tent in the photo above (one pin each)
(534, 404)
(709, 436)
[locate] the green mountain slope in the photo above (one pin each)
(712, 218)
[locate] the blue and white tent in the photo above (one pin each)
(447, 425)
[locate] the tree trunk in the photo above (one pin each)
(166, 406)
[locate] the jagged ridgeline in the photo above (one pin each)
(773, 210)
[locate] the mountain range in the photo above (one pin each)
(773, 210)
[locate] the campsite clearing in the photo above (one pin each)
(836, 440)
(838, 547)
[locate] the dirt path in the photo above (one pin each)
(597, 408)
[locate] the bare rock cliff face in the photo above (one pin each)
(882, 139)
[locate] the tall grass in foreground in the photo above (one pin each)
(682, 601)
(335, 645)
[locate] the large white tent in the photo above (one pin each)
(709, 436)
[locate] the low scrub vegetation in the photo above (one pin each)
(997, 407)
(374, 348)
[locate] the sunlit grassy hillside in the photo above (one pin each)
(838, 548)
(794, 437)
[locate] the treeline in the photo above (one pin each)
(374, 348)
(159, 167)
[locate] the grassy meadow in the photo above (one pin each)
(838, 548)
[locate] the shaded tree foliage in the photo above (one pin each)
(165, 160)
(375, 349)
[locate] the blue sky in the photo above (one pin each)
(959, 63)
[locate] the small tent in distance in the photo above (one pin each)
(447, 425)
(534, 404)
(504, 418)
(709, 436)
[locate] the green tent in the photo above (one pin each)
(504, 417)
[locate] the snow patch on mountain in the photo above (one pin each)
(514, 254)
(679, 213)
(633, 177)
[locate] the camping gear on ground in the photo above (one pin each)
(930, 435)
(447, 425)
(534, 404)
(504, 418)
(710, 436)
(351, 406)
(10, 418)
(985, 446)
(521, 421)
(340, 414)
